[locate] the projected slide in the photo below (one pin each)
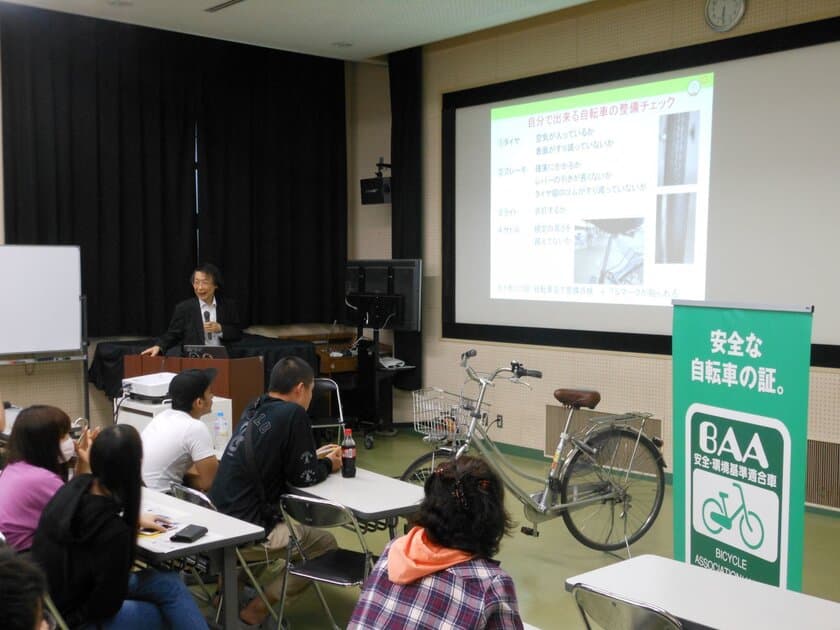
(602, 196)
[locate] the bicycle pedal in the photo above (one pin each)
(530, 531)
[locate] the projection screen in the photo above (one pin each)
(577, 205)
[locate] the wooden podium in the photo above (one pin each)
(241, 380)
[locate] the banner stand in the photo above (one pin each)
(741, 376)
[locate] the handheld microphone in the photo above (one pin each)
(207, 335)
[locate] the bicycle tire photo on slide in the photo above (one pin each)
(606, 480)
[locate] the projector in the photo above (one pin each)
(148, 387)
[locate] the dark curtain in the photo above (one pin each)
(98, 151)
(405, 72)
(100, 122)
(273, 186)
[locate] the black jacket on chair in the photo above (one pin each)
(187, 324)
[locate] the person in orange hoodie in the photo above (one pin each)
(441, 574)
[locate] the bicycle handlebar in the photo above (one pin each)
(516, 368)
(466, 356)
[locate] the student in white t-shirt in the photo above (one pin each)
(177, 446)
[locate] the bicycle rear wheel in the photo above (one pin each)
(632, 472)
(421, 468)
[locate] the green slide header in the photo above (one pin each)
(631, 92)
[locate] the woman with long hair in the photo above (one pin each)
(442, 572)
(40, 449)
(86, 541)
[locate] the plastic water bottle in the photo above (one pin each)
(220, 428)
(348, 454)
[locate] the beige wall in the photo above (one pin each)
(368, 139)
(606, 29)
(600, 31)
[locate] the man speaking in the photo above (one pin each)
(210, 320)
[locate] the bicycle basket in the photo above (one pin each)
(439, 414)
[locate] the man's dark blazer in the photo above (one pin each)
(187, 324)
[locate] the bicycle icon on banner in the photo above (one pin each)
(716, 518)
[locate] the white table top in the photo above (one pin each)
(222, 530)
(713, 599)
(369, 495)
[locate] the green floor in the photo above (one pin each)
(539, 566)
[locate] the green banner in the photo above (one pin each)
(740, 438)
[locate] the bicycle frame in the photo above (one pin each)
(537, 506)
(726, 519)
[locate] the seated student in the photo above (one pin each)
(441, 572)
(39, 448)
(176, 443)
(86, 543)
(277, 433)
(210, 320)
(22, 588)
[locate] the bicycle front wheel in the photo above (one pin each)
(627, 470)
(752, 530)
(421, 468)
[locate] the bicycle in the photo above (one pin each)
(750, 526)
(606, 481)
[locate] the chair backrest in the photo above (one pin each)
(316, 512)
(326, 396)
(323, 514)
(196, 497)
(612, 612)
(325, 406)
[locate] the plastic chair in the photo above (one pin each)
(197, 497)
(340, 567)
(612, 612)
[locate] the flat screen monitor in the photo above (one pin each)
(383, 293)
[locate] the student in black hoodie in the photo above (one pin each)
(85, 542)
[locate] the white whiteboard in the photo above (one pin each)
(40, 308)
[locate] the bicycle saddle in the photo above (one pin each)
(577, 398)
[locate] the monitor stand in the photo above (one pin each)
(375, 385)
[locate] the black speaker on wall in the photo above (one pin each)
(376, 190)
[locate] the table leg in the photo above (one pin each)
(231, 602)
